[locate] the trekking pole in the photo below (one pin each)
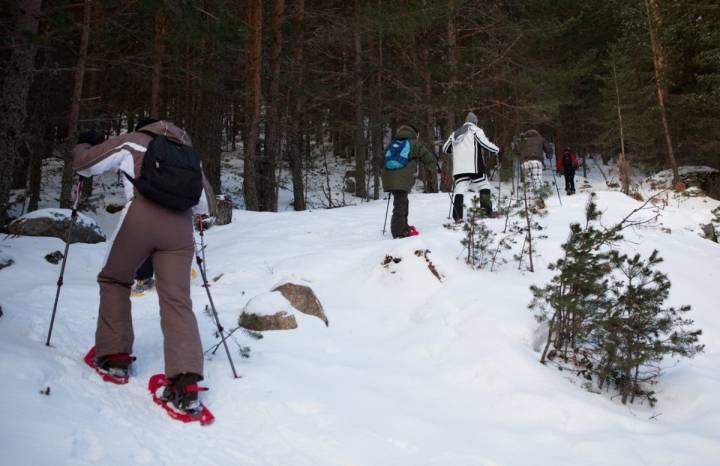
(387, 209)
(73, 218)
(452, 195)
(201, 227)
(497, 169)
(206, 285)
(556, 185)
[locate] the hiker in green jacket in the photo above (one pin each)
(398, 175)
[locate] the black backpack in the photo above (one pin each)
(170, 175)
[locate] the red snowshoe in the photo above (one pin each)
(114, 368)
(180, 400)
(412, 231)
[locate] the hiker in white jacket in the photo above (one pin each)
(466, 145)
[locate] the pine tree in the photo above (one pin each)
(605, 312)
(479, 239)
(579, 289)
(637, 332)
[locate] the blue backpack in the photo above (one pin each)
(397, 154)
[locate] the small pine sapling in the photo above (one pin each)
(579, 288)
(532, 206)
(715, 222)
(478, 239)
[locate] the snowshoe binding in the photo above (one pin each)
(179, 397)
(114, 368)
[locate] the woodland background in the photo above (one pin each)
(282, 83)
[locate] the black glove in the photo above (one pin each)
(88, 137)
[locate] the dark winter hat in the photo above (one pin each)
(144, 122)
(471, 118)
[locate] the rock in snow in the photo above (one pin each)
(303, 299)
(55, 223)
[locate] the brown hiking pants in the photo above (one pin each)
(166, 235)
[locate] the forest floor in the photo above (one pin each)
(412, 370)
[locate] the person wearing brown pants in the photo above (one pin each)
(146, 229)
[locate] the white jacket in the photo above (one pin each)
(466, 145)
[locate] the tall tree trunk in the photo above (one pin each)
(654, 26)
(209, 135)
(429, 175)
(623, 165)
(273, 131)
(158, 52)
(253, 95)
(360, 142)
(15, 87)
(35, 171)
(378, 124)
(91, 110)
(296, 149)
(73, 117)
(446, 179)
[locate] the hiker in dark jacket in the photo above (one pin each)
(146, 229)
(534, 146)
(566, 165)
(533, 150)
(400, 181)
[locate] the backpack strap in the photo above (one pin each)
(149, 133)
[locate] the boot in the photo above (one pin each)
(142, 285)
(457, 211)
(115, 365)
(182, 394)
(486, 203)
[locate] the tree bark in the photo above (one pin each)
(15, 89)
(378, 125)
(296, 149)
(158, 52)
(654, 26)
(273, 131)
(253, 96)
(446, 179)
(429, 175)
(73, 117)
(623, 165)
(360, 142)
(35, 175)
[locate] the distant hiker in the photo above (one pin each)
(466, 145)
(532, 148)
(159, 224)
(398, 175)
(566, 165)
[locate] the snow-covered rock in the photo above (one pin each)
(268, 311)
(55, 223)
(303, 298)
(5, 260)
(693, 176)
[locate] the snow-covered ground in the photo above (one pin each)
(411, 370)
